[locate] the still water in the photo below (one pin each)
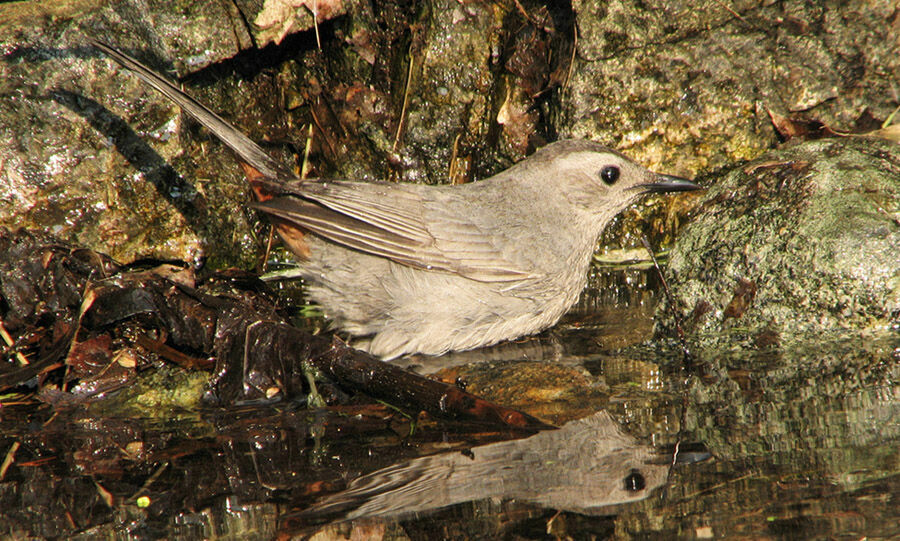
(798, 442)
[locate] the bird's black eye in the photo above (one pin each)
(635, 482)
(609, 174)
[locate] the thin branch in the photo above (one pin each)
(405, 103)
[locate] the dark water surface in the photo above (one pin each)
(798, 442)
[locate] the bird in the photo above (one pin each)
(427, 269)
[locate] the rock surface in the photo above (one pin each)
(89, 154)
(690, 89)
(804, 241)
(440, 91)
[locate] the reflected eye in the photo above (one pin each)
(609, 174)
(635, 482)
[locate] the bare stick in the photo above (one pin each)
(688, 358)
(405, 103)
(7, 339)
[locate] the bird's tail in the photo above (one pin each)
(246, 149)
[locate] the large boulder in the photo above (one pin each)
(690, 89)
(802, 242)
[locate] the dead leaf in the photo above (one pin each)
(789, 128)
(891, 133)
(278, 18)
(363, 45)
(744, 293)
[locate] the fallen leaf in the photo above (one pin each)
(278, 18)
(891, 133)
(789, 128)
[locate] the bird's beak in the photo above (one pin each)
(667, 184)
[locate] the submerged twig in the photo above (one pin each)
(150, 480)
(688, 358)
(7, 339)
(9, 459)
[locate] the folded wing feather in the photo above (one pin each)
(390, 221)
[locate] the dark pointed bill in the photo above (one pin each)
(668, 184)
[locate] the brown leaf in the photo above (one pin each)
(891, 133)
(278, 18)
(808, 129)
(89, 357)
(743, 298)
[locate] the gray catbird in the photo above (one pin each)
(430, 269)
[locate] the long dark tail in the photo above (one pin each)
(246, 149)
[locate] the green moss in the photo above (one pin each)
(163, 393)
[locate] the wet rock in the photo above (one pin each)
(689, 88)
(551, 391)
(451, 82)
(445, 92)
(804, 241)
(427, 92)
(88, 154)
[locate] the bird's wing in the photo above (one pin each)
(381, 219)
(393, 221)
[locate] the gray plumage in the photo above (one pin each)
(584, 467)
(429, 269)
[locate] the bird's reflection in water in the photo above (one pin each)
(584, 467)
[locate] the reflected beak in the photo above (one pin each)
(688, 453)
(668, 184)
